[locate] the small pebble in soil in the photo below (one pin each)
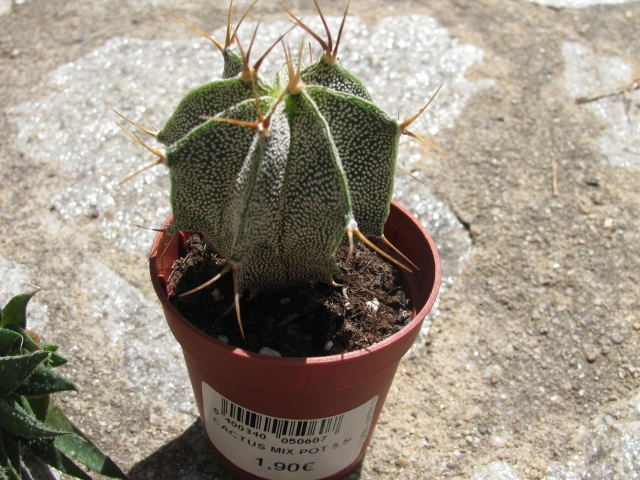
(401, 462)
(414, 414)
(617, 338)
(328, 346)
(636, 326)
(270, 351)
(591, 355)
(373, 305)
(497, 442)
(494, 380)
(470, 414)
(483, 430)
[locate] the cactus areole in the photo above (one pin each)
(276, 176)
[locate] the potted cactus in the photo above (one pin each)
(30, 420)
(276, 177)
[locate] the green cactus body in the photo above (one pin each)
(262, 193)
(277, 203)
(274, 195)
(367, 142)
(232, 63)
(327, 73)
(214, 97)
(208, 100)
(204, 175)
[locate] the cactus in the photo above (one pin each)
(29, 417)
(274, 176)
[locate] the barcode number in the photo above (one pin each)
(279, 426)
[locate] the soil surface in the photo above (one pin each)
(307, 321)
(537, 336)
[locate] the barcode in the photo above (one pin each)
(279, 426)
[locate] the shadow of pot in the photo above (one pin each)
(297, 418)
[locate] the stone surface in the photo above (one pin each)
(578, 3)
(533, 274)
(5, 7)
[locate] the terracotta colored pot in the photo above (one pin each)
(297, 418)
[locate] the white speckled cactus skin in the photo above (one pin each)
(274, 184)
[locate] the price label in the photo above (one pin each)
(283, 448)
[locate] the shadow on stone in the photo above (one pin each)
(187, 457)
(356, 473)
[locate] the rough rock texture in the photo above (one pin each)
(537, 337)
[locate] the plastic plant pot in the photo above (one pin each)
(308, 418)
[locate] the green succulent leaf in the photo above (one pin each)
(51, 455)
(8, 473)
(23, 403)
(55, 360)
(44, 381)
(49, 347)
(16, 369)
(80, 447)
(15, 312)
(7, 469)
(27, 341)
(9, 341)
(14, 419)
(39, 406)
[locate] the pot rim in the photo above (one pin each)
(406, 330)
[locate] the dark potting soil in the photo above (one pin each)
(368, 307)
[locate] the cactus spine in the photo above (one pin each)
(273, 176)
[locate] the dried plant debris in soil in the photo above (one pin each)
(299, 322)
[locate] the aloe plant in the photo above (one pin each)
(29, 416)
(276, 176)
